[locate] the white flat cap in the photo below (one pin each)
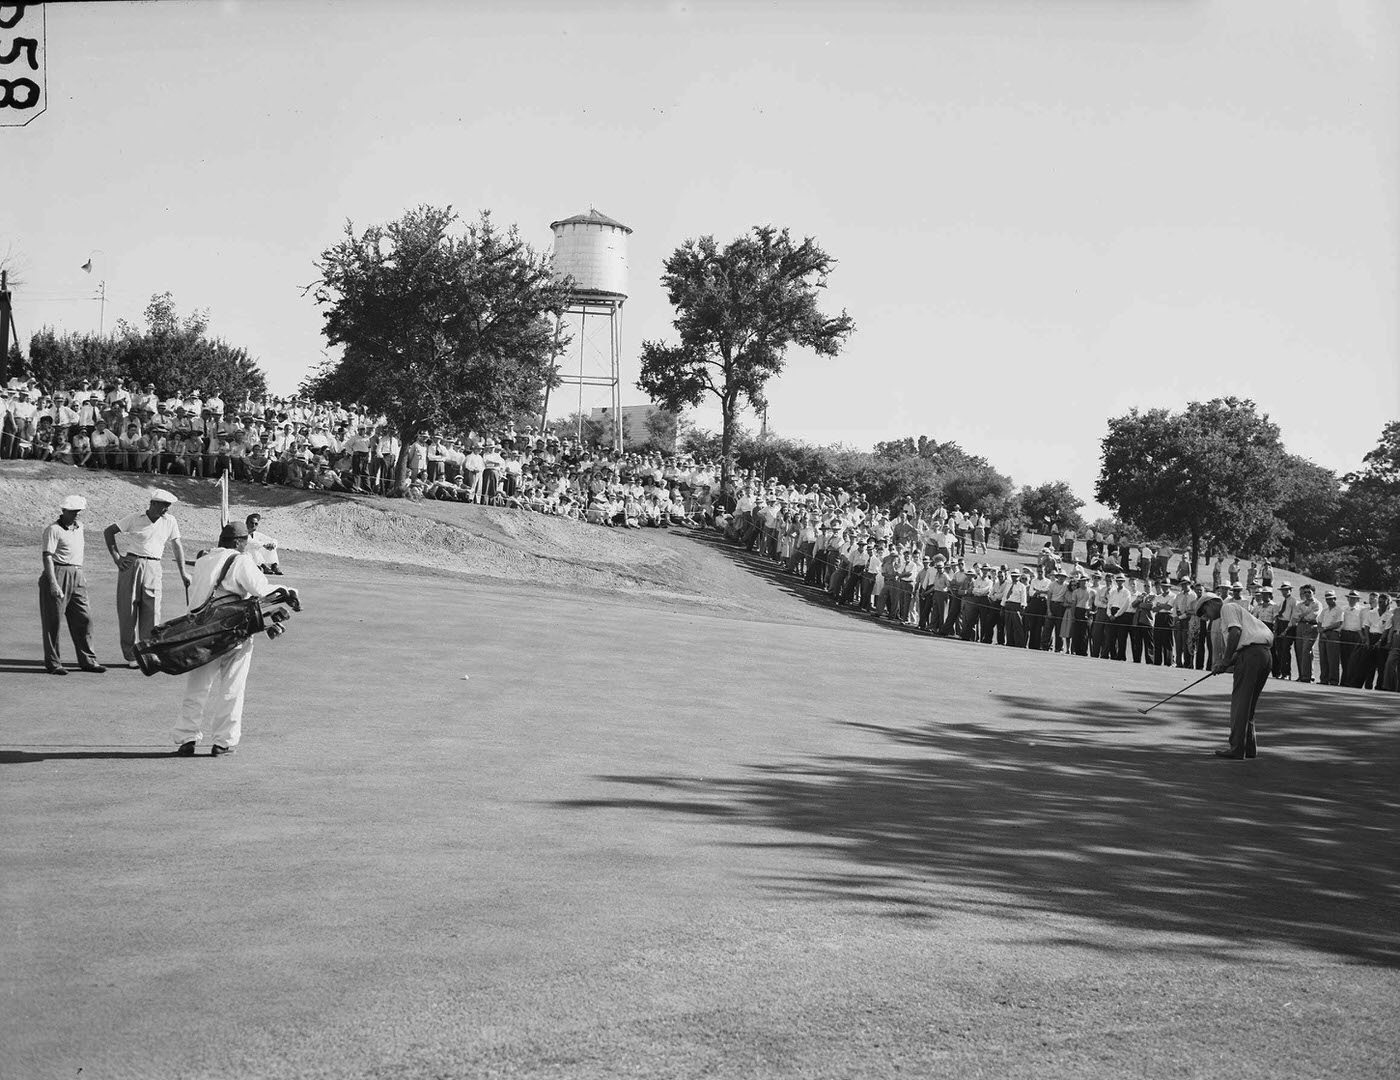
(73, 502)
(161, 495)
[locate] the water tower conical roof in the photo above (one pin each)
(590, 218)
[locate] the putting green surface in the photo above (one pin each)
(477, 829)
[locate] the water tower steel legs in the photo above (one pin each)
(612, 309)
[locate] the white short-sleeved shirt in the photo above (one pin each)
(243, 579)
(65, 545)
(1252, 631)
(139, 535)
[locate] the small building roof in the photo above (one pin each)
(590, 218)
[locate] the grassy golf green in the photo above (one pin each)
(483, 827)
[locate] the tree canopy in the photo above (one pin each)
(438, 326)
(1212, 471)
(177, 354)
(739, 309)
(1054, 503)
(1369, 522)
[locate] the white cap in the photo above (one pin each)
(73, 502)
(161, 495)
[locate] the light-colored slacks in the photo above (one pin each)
(214, 693)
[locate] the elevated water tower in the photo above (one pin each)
(591, 249)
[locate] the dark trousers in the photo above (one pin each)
(1180, 640)
(989, 615)
(1351, 650)
(1118, 635)
(1054, 628)
(1079, 632)
(1015, 629)
(1305, 635)
(1252, 666)
(938, 612)
(73, 606)
(925, 607)
(951, 617)
(1330, 646)
(1036, 612)
(1141, 637)
(1162, 640)
(970, 618)
(1098, 634)
(1283, 651)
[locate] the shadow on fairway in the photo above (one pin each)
(1075, 814)
(23, 757)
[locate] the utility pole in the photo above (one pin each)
(101, 305)
(4, 327)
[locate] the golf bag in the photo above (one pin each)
(212, 629)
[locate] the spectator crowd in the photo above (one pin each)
(332, 446)
(916, 568)
(921, 571)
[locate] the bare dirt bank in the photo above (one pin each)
(505, 544)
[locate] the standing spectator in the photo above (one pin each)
(492, 465)
(1352, 637)
(63, 590)
(137, 545)
(1329, 625)
(1303, 630)
(472, 467)
(1284, 620)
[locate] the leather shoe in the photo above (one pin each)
(57, 670)
(96, 669)
(221, 751)
(1231, 752)
(186, 749)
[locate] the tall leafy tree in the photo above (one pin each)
(1212, 471)
(739, 308)
(1054, 503)
(174, 352)
(1310, 508)
(438, 326)
(1369, 521)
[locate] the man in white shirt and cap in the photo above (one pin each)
(137, 544)
(63, 589)
(214, 692)
(1248, 652)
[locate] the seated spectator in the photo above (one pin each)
(257, 463)
(104, 446)
(62, 449)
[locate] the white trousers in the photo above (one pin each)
(214, 693)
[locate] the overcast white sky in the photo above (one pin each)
(1044, 212)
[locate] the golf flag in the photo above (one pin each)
(223, 499)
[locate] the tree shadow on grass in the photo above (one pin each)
(24, 757)
(1092, 816)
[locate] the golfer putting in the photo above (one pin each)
(1247, 650)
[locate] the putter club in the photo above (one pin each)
(1183, 690)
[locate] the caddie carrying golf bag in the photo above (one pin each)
(212, 629)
